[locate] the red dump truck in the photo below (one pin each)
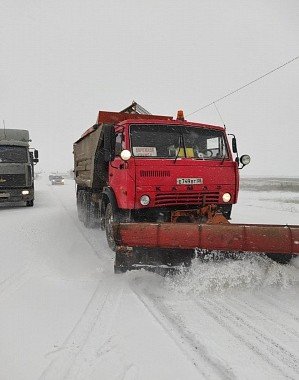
(161, 187)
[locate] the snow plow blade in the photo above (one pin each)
(258, 238)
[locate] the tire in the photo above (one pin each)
(79, 205)
(109, 219)
(279, 258)
(29, 203)
(120, 270)
(86, 210)
(121, 264)
(102, 216)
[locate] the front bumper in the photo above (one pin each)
(15, 195)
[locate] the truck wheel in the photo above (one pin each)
(29, 203)
(120, 270)
(109, 219)
(79, 205)
(121, 264)
(102, 216)
(279, 258)
(86, 210)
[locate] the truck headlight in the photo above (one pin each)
(125, 155)
(226, 197)
(245, 159)
(25, 192)
(144, 200)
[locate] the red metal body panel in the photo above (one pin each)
(224, 237)
(116, 117)
(157, 177)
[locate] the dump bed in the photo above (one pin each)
(85, 156)
(89, 165)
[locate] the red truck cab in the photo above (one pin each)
(172, 164)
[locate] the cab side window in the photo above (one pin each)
(118, 143)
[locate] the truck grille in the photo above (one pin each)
(12, 180)
(171, 199)
(154, 173)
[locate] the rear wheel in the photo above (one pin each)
(79, 205)
(89, 211)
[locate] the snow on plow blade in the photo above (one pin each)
(225, 237)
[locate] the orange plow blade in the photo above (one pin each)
(257, 238)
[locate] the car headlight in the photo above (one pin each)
(226, 197)
(25, 192)
(144, 200)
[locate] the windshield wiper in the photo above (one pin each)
(181, 145)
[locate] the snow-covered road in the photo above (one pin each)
(65, 315)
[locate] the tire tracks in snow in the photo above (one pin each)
(83, 230)
(276, 303)
(260, 311)
(263, 346)
(207, 364)
(18, 278)
(76, 357)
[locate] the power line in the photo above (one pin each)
(240, 88)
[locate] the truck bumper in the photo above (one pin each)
(16, 195)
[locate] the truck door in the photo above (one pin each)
(119, 179)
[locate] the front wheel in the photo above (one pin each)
(279, 258)
(109, 219)
(29, 203)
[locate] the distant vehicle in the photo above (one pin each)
(57, 180)
(17, 162)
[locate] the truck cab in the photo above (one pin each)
(16, 167)
(172, 166)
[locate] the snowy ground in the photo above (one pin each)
(65, 315)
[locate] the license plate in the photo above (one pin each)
(4, 195)
(189, 181)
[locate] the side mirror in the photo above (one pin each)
(234, 145)
(109, 142)
(35, 160)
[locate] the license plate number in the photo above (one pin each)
(189, 181)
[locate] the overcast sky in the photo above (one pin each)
(64, 60)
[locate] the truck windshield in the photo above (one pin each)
(172, 141)
(10, 153)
